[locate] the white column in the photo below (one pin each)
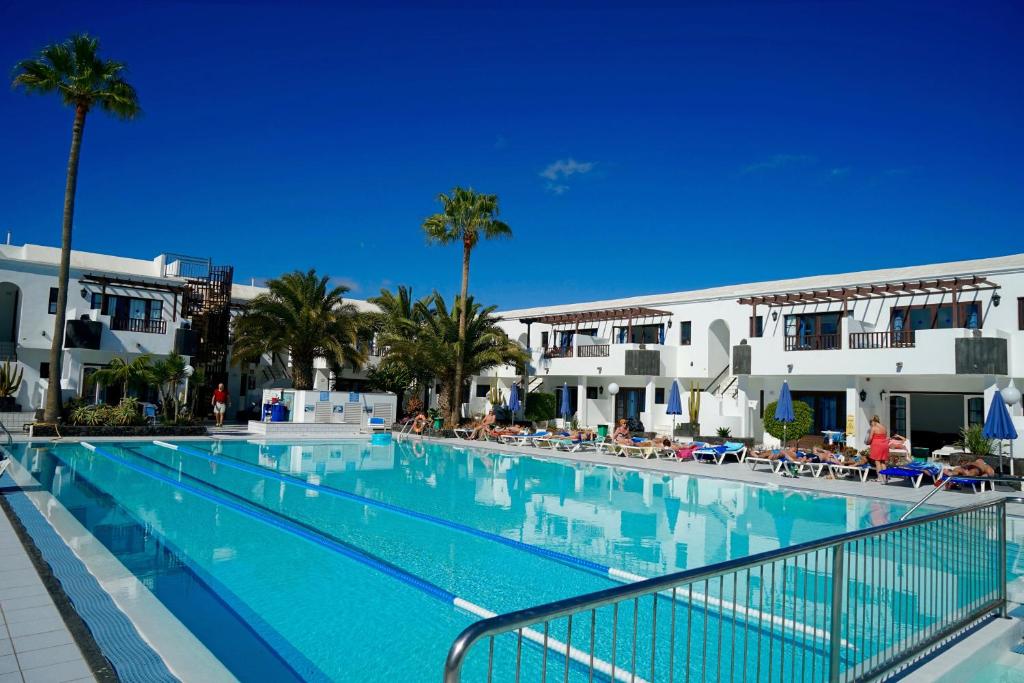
(853, 409)
(649, 404)
(581, 401)
(743, 386)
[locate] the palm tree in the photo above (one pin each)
(136, 372)
(302, 317)
(168, 374)
(74, 70)
(397, 315)
(466, 216)
(435, 346)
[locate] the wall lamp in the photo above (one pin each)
(670, 323)
(863, 395)
(996, 299)
(775, 315)
(899, 366)
(789, 367)
(85, 293)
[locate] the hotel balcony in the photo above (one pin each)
(945, 351)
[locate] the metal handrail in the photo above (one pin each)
(520, 619)
(935, 489)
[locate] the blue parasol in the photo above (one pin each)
(513, 400)
(675, 404)
(784, 410)
(566, 408)
(998, 425)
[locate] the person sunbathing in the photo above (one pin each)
(976, 469)
(622, 435)
(484, 425)
(511, 430)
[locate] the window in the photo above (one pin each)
(482, 390)
(659, 395)
(1020, 313)
(588, 332)
(640, 334)
(130, 308)
(44, 371)
(936, 316)
(974, 407)
(544, 340)
(52, 309)
(592, 393)
(685, 330)
(96, 302)
(756, 326)
(813, 331)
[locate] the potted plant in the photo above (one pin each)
(693, 407)
(10, 381)
(435, 415)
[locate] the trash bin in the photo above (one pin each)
(279, 413)
(267, 408)
(602, 431)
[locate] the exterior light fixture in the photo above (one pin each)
(863, 395)
(613, 388)
(789, 367)
(85, 293)
(670, 323)
(1011, 394)
(899, 366)
(996, 299)
(775, 315)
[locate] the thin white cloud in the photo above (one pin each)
(557, 171)
(563, 168)
(839, 172)
(779, 161)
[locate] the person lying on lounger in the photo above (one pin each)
(621, 434)
(976, 469)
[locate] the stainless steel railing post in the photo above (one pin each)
(836, 624)
(1001, 516)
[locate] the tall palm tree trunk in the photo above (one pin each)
(457, 403)
(53, 396)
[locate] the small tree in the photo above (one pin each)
(803, 421)
(168, 374)
(133, 373)
(541, 406)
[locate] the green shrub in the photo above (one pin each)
(800, 426)
(126, 413)
(724, 432)
(973, 440)
(541, 406)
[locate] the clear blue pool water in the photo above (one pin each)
(255, 563)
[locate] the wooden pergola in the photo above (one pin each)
(577, 318)
(953, 286)
(135, 283)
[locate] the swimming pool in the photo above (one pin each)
(326, 561)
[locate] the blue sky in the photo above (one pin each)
(634, 150)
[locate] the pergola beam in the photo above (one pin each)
(578, 317)
(953, 286)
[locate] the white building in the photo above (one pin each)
(923, 347)
(125, 307)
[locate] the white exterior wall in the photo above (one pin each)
(928, 366)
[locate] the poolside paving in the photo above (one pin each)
(35, 643)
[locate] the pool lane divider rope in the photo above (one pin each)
(618, 575)
(363, 557)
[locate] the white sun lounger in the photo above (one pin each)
(645, 452)
(773, 464)
(712, 454)
(853, 471)
(524, 439)
(815, 468)
(463, 432)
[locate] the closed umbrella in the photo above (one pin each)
(565, 410)
(784, 410)
(513, 400)
(999, 426)
(675, 404)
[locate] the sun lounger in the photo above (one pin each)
(644, 452)
(3, 465)
(718, 454)
(912, 472)
(606, 446)
(524, 439)
(861, 471)
(799, 467)
(774, 464)
(977, 484)
(463, 432)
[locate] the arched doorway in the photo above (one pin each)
(718, 347)
(10, 301)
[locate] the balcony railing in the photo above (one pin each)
(9, 351)
(892, 339)
(593, 351)
(139, 325)
(813, 342)
(558, 352)
(379, 351)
